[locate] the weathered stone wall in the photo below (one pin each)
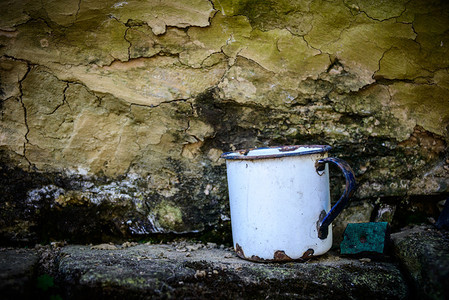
(114, 113)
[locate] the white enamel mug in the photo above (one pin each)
(280, 201)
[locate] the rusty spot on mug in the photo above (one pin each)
(239, 251)
(320, 219)
(320, 167)
(256, 258)
(308, 254)
(288, 148)
(282, 151)
(281, 256)
(245, 151)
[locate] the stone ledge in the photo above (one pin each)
(17, 271)
(424, 255)
(168, 271)
(185, 270)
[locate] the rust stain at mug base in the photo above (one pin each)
(307, 255)
(239, 251)
(279, 256)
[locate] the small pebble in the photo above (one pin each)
(200, 274)
(104, 247)
(365, 259)
(211, 245)
(58, 244)
(129, 244)
(192, 247)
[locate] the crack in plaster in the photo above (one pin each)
(405, 8)
(357, 8)
(64, 100)
(78, 11)
(379, 20)
(221, 6)
(212, 14)
(351, 22)
(380, 60)
(130, 44)
(20, 97)
(413, 80)
(226, 72)
(160, 103)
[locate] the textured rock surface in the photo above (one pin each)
(114, 114)
(165, 271)
(424, 253)
(18, 268)
(183, 270)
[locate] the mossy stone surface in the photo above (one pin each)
(423, 251)
(144, 270)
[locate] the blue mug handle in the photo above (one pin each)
(347, 194)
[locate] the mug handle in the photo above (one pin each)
(341, 203)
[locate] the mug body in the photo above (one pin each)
(277, 201)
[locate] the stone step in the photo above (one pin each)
(18, 269)
(192, 271)
(424, 256)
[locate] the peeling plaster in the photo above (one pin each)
(161, 94)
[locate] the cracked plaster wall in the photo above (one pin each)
(123, 107)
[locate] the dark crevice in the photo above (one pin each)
(380, 60)
(379, 20)
(24, 113)
(64, 100)
(130, 44)
(78, 10)
(385, 81)
(161, 103)
(334, 63)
